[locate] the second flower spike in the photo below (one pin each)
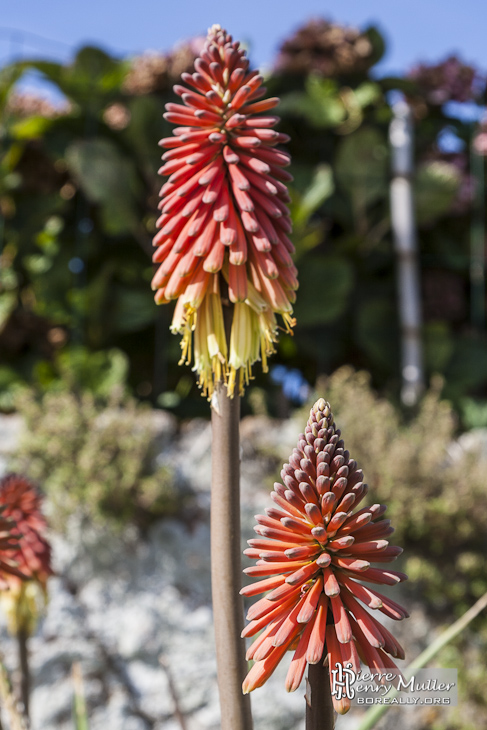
(314, 555)
(224, 217)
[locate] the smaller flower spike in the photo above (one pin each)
(314, 553)
(8, 547)
(20, 500)
(224, 217)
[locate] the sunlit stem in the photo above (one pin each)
(24, 670)
(226, 557)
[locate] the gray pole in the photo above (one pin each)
(406, 249)
(477, 240)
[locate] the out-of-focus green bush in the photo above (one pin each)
(97, 457)
(434, 489)
(78, 207)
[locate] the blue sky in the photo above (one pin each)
(415, 30)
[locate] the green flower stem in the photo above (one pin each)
(7, 700)
(320, 714)
(24, 670)
(373, 715)
(226, 566)
(79, 702)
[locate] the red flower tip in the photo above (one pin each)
(8, 547)
(21, 502)
(315, 553)
(224, 216)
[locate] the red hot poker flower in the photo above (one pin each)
(21, 502)
(8, 548)
(314, 554)
(224, 214)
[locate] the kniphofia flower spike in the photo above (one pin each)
(8, 548)
(224, 219)
(21, 501)
(314, 553)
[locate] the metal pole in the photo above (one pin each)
(406, 249)
(477, 241)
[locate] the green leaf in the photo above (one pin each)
(438, 346)
(319, 190)
(468, 365)
(474, 413)
(80, 710)
(93, 68)
(79, 368)
(326, 283)
(395, 83)
(377, 331)
(146, 127)
(435, 188)
(11, 385)
(31, 128)
(92, 76)
(8, 302)
(53, 71)
(107, 178)
(133, 309)
(367, 93)
(320, 105)
(37, 263)
(378, 44)
(362, 166)
(9, 75)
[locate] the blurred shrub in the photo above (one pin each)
(78, 207)
(474, 413)
(73, 368)
(467, 654)
(95, 457)
(450, 80)
(77, 369)
(434, 488)
(329, 49)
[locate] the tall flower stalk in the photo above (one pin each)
(224, 255)
(314, 552)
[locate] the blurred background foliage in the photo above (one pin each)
(79, 193)
(433, 486)
(96, 459)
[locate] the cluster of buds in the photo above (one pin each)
(327, 49)
(224, 219)
(450, 80)
(24, 588)
(314, 554)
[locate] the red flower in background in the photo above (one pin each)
(20, 501)
(224, 218)
(314, 555)
(8, 547)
